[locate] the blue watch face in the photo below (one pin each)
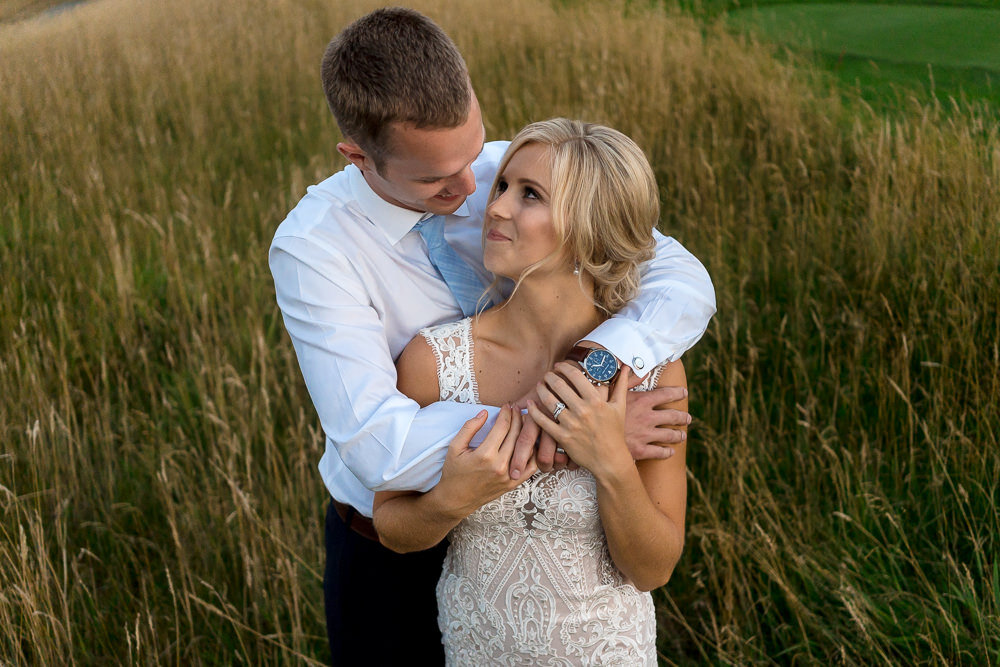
(600, 365)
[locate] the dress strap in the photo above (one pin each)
(452, 346)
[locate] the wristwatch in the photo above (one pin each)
(600, 366)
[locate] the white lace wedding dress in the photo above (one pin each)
(528, 579)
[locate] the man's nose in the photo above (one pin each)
(464, 183)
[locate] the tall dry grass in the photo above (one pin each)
(159, 501)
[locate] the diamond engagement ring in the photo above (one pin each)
(558, 410)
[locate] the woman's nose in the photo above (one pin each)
(498, 207)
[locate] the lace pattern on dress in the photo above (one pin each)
(528, 579)
(452, 346)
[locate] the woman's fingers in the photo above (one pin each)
(571, 371)
(563, 392)
(544, 421)
(546, 399)
(620, 393)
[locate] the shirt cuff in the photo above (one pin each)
(619, 337)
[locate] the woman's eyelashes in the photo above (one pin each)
(527, 191)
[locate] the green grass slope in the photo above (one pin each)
(937, 35)
(890, 52)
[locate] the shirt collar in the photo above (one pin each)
(394, 221)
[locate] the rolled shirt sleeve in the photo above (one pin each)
(670, 314)
(382, 437)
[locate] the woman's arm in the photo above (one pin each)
(642, 504)
(408, 521)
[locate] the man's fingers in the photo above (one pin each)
(468, 431)
(493, 440)
(524, 448)
(668, 418)
(649, 452)
(507, 446)
(665, 436)
(530, 468)
(665, 395)
(560, 459)
(546, 455)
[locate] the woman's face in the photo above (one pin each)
(519, 228)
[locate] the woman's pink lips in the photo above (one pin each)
(494, 235)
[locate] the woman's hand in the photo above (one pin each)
(591, 428)
(473, 477)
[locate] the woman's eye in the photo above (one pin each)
(530, 193)
(501, 186)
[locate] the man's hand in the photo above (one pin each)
(473, 477)
(648, 431)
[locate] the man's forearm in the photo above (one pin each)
(414, 522)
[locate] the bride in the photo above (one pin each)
(552, 568)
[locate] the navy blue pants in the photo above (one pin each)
(380, 605)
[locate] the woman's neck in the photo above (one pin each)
(546, 314)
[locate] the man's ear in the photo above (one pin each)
(356, 155)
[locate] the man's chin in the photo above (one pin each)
(442, 206)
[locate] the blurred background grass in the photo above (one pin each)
(159, 500)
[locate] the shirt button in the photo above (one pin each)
(638, 363)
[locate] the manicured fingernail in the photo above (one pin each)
(685, 393)
(482, 413)
(684, 435)
(515, 474)
(669, 451)
(689, 419)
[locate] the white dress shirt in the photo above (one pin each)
(354, 285)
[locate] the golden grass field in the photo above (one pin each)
(159, 498)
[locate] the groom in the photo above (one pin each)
(359, 266)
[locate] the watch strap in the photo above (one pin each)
(579, 353)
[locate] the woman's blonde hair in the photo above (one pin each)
(604, 203)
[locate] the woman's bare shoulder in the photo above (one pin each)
(416, 372)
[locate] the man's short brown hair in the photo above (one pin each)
(394, 65)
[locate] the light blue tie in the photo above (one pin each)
(463, 282)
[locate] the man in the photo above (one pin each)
(358, 271)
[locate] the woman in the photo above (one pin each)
(550, 569)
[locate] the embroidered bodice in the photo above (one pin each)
(528, 579)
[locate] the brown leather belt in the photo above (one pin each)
(356, 521)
